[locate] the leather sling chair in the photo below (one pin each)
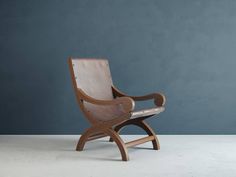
(107, 108)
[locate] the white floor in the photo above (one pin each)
(180, 156)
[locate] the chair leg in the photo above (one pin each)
(115, 136)
(118, 128)
(120, 143)
(84, 137)
(150, 132)
(142, 124)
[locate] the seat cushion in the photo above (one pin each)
(147, 112)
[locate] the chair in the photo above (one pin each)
(108, 109)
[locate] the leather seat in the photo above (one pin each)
(147, 112)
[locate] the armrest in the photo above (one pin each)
(126, 102)
(159, 98)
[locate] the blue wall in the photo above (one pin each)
(184, 48)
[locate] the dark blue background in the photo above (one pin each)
(184, 48)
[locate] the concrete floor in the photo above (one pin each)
(180, 156)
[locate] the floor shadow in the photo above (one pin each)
(144, 148)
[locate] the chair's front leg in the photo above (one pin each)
(109, 132)
(120, 143)
(84, 137)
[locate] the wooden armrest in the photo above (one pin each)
(159, 98)
(126, 102)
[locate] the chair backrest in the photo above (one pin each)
(93, 77)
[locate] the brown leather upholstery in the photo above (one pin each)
(147, 112)
(93, 77)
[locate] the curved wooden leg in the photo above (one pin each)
(142, 124)
(121, 145)
(117, 129)
(84, 137)
(115, 136)
(150, 132)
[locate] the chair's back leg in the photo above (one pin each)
(150, 132)
(142, 124)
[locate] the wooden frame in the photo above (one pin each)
(113, 126)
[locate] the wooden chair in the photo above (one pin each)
(108, 109)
